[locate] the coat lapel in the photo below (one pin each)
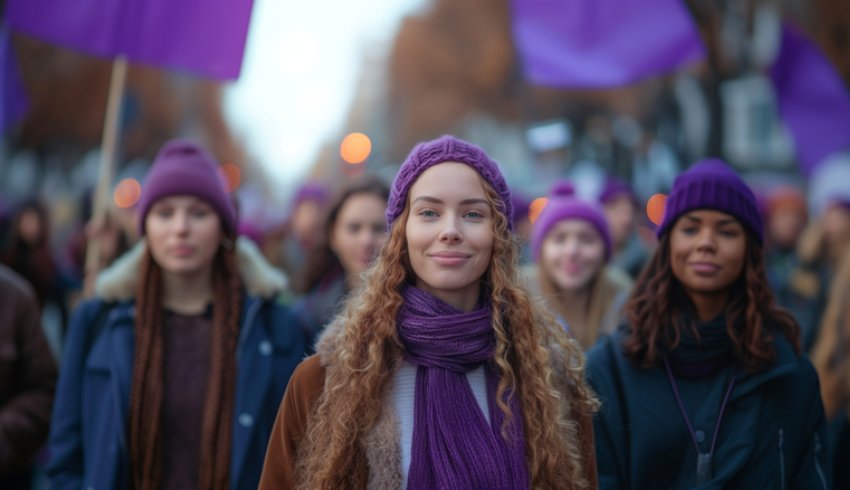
(254, 366)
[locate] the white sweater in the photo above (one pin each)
(403, 393)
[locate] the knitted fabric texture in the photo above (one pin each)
(563, 206)
(446, 149)
(182, 167)
(711, 184)
(453, 445)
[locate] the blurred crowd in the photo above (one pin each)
(581, 255)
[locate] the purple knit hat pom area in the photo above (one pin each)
(441, 150)
(563, 188)
(183, 167)
(564, 205)
(712, 184)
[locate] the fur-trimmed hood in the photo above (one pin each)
(259, 277)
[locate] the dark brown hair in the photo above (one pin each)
(146, 393)
(321, 260)
(656, 312)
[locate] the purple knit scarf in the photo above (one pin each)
(453, 446)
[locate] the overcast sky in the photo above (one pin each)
(299, 74)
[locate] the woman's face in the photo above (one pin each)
(358, 230)
(306, 222)
(183, 233)
(449, 233)
(30, 227)
(620, 214)
(572, 254)
(836, 229)
(707, 251)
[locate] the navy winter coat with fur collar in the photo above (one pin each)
(88, 439)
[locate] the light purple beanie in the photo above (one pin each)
(182, 167)
(445, 149)
(563, 205)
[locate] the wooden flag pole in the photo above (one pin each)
(108, 147)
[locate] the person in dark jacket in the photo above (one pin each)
(705, 387)
(352, 229)
(27, 381)
(171, 376)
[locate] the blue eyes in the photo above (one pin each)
(429, 213)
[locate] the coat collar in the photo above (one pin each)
(786, 363)
(260, 278)
(113, 352)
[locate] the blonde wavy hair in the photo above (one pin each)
(537, 361)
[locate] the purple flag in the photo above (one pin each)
(13, 98)
(813, 100)
(602, 43)
(206, 37)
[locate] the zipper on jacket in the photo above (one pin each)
(781, 458)
(817, 461)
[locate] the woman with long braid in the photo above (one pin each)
(440, 372)
(170, 377)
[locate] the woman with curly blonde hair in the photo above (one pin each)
(440, 372)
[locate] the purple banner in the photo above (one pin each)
(206, 37)
(813, 99)
(602, 43)
(13, 98)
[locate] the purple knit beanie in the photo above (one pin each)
(182, 167)
(441, 150)
(711, 184)
(615, 188)
(563, 205)
(311, 191)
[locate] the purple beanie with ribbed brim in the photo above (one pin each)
(711, 184)
(563, 205)
(183, 167)
(441, 150)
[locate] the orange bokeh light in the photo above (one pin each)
(127, 193)
(655, 208)
(536, 207)
(232, 175)
(355, 148)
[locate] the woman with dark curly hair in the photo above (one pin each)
(706, 386)
(352, 229)
(440, 372)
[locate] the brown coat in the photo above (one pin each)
(27, 375)
(383, 454)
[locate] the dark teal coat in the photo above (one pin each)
(772, 434)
